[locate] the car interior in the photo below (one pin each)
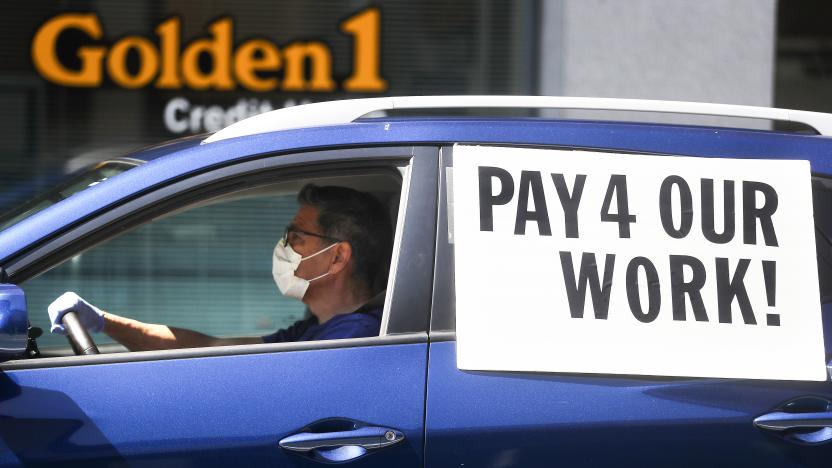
(205, 266)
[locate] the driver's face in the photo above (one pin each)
(306, 219)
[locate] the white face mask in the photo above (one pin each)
(285, 263)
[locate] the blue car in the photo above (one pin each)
(184, 236)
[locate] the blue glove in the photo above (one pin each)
(91, 317)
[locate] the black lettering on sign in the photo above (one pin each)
(569, 201)
(666, 206)
(750, 212)
(618, 188)
(770, 278)
(653, 290)
(531, 179)
(727, 210)
(487, 198)
(693, 288)
(576, 287)
(729, 289)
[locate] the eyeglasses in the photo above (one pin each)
(292, 235)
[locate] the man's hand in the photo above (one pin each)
(91, 317)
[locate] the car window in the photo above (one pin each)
(207, 267)
(822, 200)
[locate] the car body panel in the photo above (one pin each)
(528, 419)
(210, 411)
(225, 406)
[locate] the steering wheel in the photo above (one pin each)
(77, 335)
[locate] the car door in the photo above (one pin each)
(289, 404)
(539, 419)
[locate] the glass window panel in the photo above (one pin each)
(207, 269)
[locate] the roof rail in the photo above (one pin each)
(348, 110)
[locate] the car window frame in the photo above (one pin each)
(407, 309)
(443, 314)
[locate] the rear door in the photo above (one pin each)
(545, 419)
(235, 405)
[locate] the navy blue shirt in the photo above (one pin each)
(365, 321)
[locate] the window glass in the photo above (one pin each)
(207, 268)
(822, 200)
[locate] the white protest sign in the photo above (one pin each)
(589, 262)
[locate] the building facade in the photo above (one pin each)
(82, 81)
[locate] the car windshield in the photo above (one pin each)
(75, 183)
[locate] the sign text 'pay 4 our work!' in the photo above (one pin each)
(578, 261)
(730, 283)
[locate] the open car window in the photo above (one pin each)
(205, 267)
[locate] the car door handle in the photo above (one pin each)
(781, 421)
(367, 437)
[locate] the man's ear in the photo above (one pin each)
(342, 257)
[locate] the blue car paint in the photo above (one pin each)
(219, 411)
(224, 411)
(544, 420)
(192, 158)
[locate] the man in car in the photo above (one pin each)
(334, 257)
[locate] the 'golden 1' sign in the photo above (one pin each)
(253, 64)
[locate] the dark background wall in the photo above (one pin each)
(428, 47)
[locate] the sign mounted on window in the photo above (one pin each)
(633, 264)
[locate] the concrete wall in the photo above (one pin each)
(685, 50)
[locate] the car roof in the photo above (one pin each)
(174, 160)
(349, 110)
